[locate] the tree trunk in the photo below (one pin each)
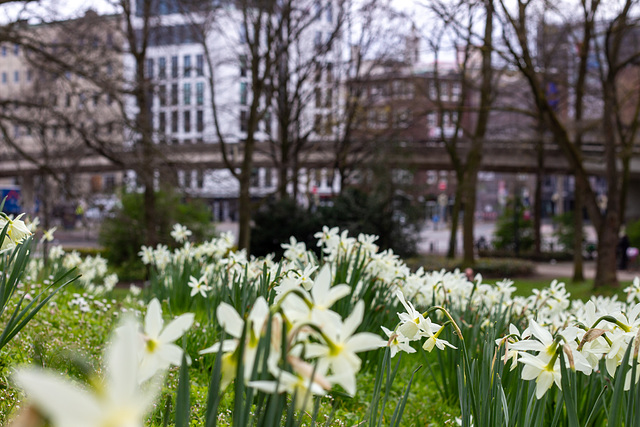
(606, 263)
(455, 216)
(244, 212)
(578, 235)
(468, 220)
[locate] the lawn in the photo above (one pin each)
(305, 327)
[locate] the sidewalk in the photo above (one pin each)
(565, 269)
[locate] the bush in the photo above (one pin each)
(354, 210)
(504, 238)
(566, 230)
(122, 234)
(277, 221)
(633, 231)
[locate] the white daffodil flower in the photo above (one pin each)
(432, 331)
(47, 236)
(410, 320)
(159, 349)
(233, 325)
(538, 368)
(17, 231)
(180, 233)
(397, 342)
(339, 352)
(199, 286)
(304, 278)
(304, 383)
(121, 402)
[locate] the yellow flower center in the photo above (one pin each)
(152, 345)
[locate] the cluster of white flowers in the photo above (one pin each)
(135, 362)
(302, 323)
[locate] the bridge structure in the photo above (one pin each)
(498, 156)
(517, 156)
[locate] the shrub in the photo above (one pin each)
(565, 230)
(505, 234)
(122, 234)
(395, 223)
(277, 221)
(633, 231)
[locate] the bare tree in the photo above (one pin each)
(615, 54)
(470, 112)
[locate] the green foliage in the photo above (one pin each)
(122, 234)
(395, 223)
(505, 235)
(566, 230)
(633, 231)
(277, 221)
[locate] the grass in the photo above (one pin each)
(70, 339)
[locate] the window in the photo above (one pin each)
(318, 95)
(29, 74)
(200, 93)
(329, 11)
(162, 95)
(16, 76)
(162, 68)
(444, 91)
(200, 121)
(244, 121)
(199, 65)
(432, 119)
(317, 123)
(317, 41)
(16, 49)
(4, 77)
(149, 70)
(318, 9)
(243, 66)
(109, 69)
(68, 101)
(329, 72)
(96, 99)
(162, 122)
(187, 65)
(243, 33)
(329, 99)
(174, 122)
(328, 125)
(4, 51)
(243, 93)
(318, 75)
(267, 123)
(174, 67)
(174, 94)
(455, 91)
(186, 93)
(433, 91)
(187, 121)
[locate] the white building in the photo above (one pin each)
(183, 112)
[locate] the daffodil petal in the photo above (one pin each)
(176, 328)
(63, 401)
(230, 320)
(153, 320)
